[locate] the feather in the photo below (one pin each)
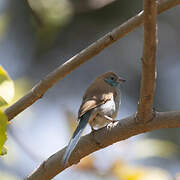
(76, 136)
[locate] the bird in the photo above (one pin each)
(99, 107)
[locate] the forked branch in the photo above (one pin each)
(39, 89)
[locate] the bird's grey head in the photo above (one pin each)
(113, 79)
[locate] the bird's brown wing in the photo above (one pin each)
(92, 102)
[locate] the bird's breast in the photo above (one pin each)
(109, 108)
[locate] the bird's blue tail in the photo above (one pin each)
(76, 136)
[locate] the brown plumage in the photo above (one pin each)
(98, 93)
(99, 107)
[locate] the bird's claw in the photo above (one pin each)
(112, 124)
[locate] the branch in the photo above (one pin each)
(148, 62)
(102, 138)
(39, 89)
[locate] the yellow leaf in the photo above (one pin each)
(6, 88)
(3, 135)
(125, 171)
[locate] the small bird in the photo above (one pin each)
(99, 107)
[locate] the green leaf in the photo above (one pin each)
(3, 135)
(6, 88)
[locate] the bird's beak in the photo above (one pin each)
(121, 80)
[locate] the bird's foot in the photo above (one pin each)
(112, 124)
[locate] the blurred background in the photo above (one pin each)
(38, 36)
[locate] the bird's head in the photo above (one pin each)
(113, 79)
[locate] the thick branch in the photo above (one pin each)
(102, 138)
(39, 89)
(148, 62)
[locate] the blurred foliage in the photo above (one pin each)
(123, 171)
(6, 88)
(4, 22)
(86, 164)
(50, 16)
(6, 96)
(177, 177)
(3, 135)
(22, 85)
(155, 148)
(89, 5)
(4, 150)
(7, 176)
(71, 120)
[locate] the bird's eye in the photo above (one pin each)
(112, 78)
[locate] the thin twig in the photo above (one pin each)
(52, 78)
(145, 112)
(102, 138)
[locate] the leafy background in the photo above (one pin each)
(36, 37)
